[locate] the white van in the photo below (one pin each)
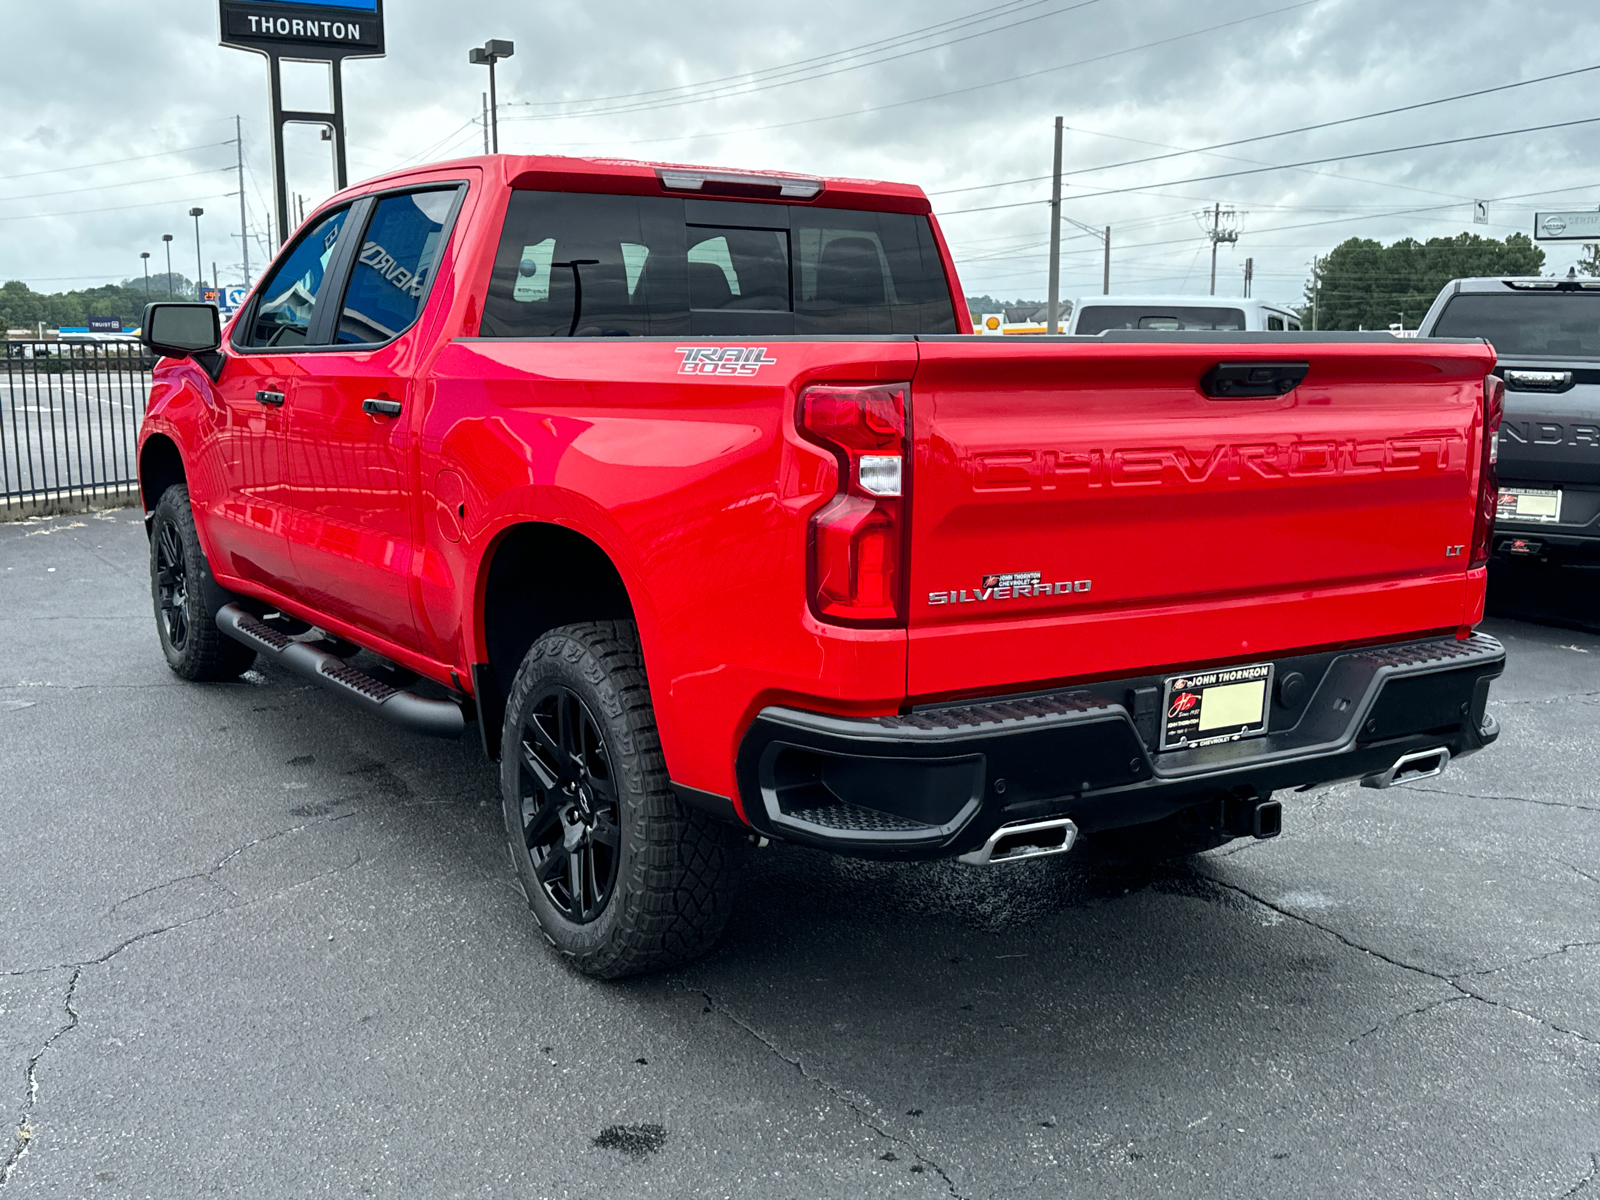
(1096, 314)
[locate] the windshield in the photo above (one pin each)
(1527, 324)
(1100, 317)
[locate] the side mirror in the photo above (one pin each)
(181, 330)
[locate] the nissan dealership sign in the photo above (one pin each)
(305, 29)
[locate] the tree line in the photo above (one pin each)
(23, 308)
(1363, 284)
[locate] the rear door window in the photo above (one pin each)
(399, 254)
(595, 266)
(282, 315)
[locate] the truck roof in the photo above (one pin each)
(1172, 301)
(1501, 283)
(635, 178)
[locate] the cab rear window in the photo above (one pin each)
(1100, 317)
(616, 266)
(1527, 325)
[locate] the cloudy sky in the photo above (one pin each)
(956, 97)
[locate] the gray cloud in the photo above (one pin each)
(148, 78)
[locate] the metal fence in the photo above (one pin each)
(69, 422)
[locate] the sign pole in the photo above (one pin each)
(326, 31)
(280, 177)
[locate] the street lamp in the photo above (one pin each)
(487, 55)
(144, 256)
(199, 267)
(167, 238)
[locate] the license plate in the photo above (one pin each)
(1543, 507)
(1208, 707)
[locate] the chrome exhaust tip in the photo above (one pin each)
(1023, 839)
(1419, 764)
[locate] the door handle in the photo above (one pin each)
(273, 398)
(381, 408)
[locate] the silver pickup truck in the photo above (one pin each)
(1546, 332)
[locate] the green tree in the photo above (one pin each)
(1363, 284)
(23, 308)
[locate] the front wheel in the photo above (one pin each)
(186, 624)
(620, 876)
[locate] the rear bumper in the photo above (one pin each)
(938, 781)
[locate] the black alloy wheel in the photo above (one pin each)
(186, 598)
(619, 875)
(570, 817)
(172, 586)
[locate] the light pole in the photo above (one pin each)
(487, 55)
(199, 266)
(144, 256)
(167, 238)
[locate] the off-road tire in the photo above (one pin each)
(675, 868)
(1186, 832)
(186, 619)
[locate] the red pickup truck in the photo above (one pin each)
(688, 488)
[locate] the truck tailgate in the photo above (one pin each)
(1083, 509)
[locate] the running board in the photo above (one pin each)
(438, 718)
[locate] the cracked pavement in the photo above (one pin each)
(258, 943)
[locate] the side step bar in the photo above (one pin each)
(438, 718)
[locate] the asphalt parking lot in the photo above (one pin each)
(259, 944)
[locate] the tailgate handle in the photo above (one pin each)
(1252, 380)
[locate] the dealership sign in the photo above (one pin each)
(1578, 225)
(303, 29)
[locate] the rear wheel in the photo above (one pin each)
(620, 876)
(179, 577)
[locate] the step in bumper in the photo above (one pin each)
(938, 781)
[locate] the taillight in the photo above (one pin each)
(1494, 408)
(857, 541)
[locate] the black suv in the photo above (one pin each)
(1547, 335)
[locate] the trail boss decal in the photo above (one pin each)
(1019, 585)
(723, 360)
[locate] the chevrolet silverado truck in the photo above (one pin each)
(684, 487)
(1547, 335)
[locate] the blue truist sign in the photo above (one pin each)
(305, 28)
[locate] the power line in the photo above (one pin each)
(1479, 137)
(111, 162)
(113, 208)
(977, 87)
(798, 77)
(100, 187)
(1014, 6)
(1387, 112)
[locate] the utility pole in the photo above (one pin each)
(1249, 275)
(1105, 282)
(1053, 308)
(244, 232)
(487, 55)
(1316, 288)
(486, 122)
(1219, 234)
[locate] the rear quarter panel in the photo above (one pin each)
(697, 488)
